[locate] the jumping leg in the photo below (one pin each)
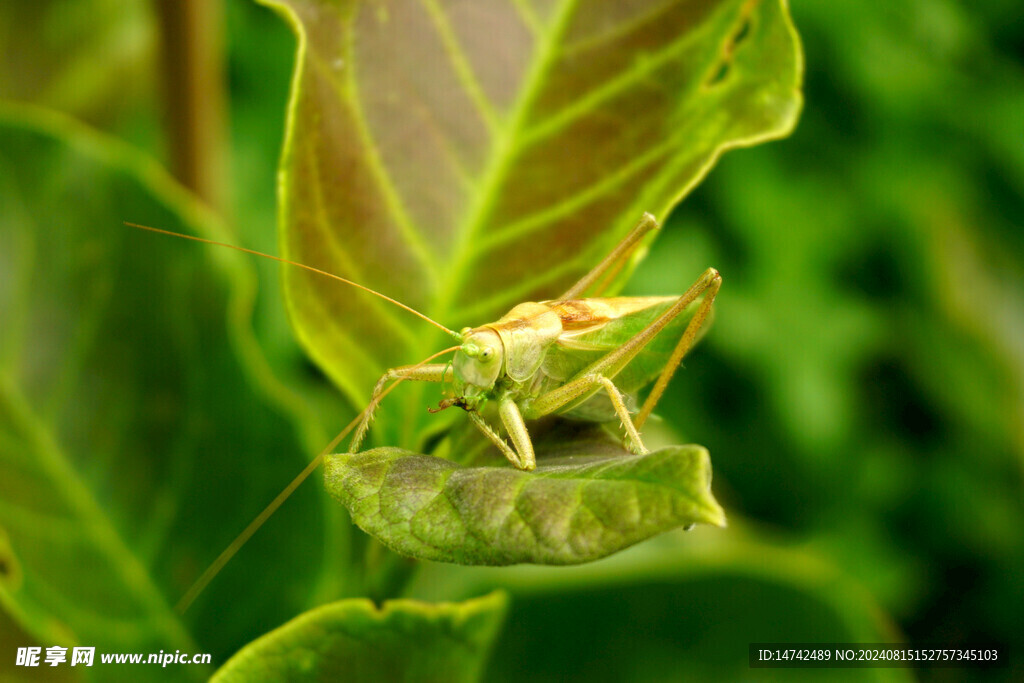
(583, 387)
(685, 343)
(613, 261)
(609, 366)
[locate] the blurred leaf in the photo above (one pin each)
(677, 607)
(570, 510)
(867, 336)
(13, 636)
(353, 640)
(89, 58)
(126, 418)
(465, 157)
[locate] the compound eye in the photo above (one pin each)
(487, 353)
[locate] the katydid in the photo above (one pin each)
(564, 356)
(581, 358)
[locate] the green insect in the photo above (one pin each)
(581, 358)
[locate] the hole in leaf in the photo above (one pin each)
(742, 33)
(720, 73)
(728, 51)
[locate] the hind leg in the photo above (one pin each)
(613, 262)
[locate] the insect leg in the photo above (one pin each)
(615, 260)
(516, 428)
(623, 412)
(496, 439)
(433, 372)
(710, 288)
(581, 387)
(611, 364)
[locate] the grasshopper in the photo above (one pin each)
(580, 358)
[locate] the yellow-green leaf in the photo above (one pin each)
(464, 157)
(570, 510)
(353, 640)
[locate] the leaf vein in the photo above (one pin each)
(528, 16)
(392, 198)
(463, 69)
(500, 161)
(353, 272)
(642, 68)
(570, 205)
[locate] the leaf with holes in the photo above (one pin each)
(572, 509)
(466, 156)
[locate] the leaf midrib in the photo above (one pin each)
(499, 162)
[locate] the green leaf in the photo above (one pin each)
(572, 509)
(691, 604)
(353, 640)
(463, 158)
(94, 59)
(126, 417)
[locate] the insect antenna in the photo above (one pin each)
(311, 269)
(215, 567)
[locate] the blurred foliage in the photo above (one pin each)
(354, 640)
(862, 388)
(93, 59)
(121, 361)
(866, 371)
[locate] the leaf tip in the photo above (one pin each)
(716, 515)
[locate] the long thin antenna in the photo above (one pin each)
(203, 581)
(297, 265)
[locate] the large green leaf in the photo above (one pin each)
(353, 640)
(675, 607)
(572, 509)
(127, 420)
(93, 59)
(463, 157)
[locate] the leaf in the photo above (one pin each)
(570, 510)
(464, 157)
(94, 59)
(126, 418)
(687, 603)
(353, 640)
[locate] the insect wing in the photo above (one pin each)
(614, 322)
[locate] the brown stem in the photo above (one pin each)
(193, 75)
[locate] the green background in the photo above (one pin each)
(861, 391)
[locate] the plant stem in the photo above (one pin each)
(193, 79)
